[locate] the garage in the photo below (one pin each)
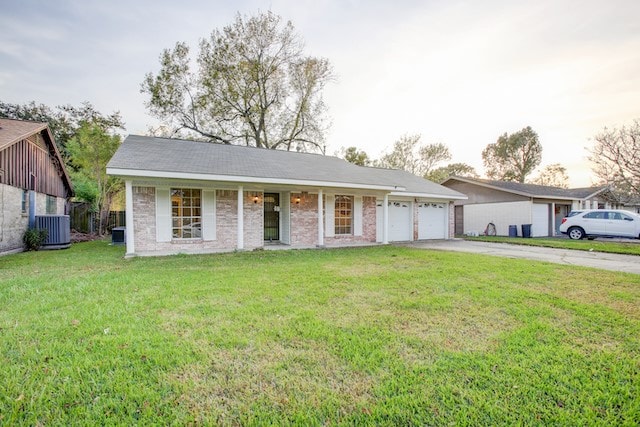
(432, 220)
(540, 220)
(400, 221)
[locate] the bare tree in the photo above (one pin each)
(615, 158)
(407, 154)
(252, 86)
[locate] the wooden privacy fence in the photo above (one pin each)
(86, 221)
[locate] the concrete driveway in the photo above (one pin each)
(605, 261)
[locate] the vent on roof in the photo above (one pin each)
(58, 231)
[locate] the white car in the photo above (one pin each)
(601, 223)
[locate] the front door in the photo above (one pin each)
(271, 216)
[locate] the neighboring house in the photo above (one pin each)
(505, 203)
(187, 196)
(33, 180)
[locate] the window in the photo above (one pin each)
(52, 206)
(595, 215)
(344, 215)
(185, 213)
(25, 201)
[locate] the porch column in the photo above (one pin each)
(128, 194)
(553, 219)
(385, 219)
(320, 220)
(240, 218)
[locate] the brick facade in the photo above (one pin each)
(304, 220)
(13, 221)
(303, 224)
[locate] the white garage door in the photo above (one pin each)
(432, 220)
(540, 220)
(400, 224)
(400, 221)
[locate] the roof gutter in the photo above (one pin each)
(244, 179)
(428, 195)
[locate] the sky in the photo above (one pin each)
(460, 73)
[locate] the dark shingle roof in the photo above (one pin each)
(534, 190)
(142, 153)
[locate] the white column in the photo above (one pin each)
(385, 219)
(240, 218)
(320, 220)
(128, 190)
(553, 219)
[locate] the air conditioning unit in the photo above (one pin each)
(118, 235)
(58, 230)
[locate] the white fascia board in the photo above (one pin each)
(427, 195)
(245, 179)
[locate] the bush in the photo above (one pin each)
(34, 238)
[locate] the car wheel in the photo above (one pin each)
(576, 233)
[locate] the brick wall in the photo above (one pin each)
(253, 220)
(368, 227)
(13, 222)
(144, 223)
(452, 219)
(304, 220)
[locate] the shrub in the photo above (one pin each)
(34, 238)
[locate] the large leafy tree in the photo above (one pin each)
(355, 156)
(252, 86)
(513, 157)
(64, 121)
(91, 149)
(408, 154)
(615, 158)
(453, 169)
(553, 175)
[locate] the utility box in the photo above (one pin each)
(118, 235)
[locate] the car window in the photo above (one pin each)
(625, 216)
(614, 215)
(595, 215)
(573, 213)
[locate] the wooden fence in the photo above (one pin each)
(86, 221)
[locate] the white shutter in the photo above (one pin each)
(285, 217)
(330, 214)
(209, 214)
(163, 215)
(357, 215)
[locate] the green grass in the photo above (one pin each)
(367, 336)
(630, 248)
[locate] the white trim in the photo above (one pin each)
(427, 195)
(385, 219)
(330, 215)
(357, 215)
(164, 230)
(240, 218)
(128, 188)
(208, 214)
(245, 179)
(320, 220)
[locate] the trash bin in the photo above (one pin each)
(513, 231)
(526, 230)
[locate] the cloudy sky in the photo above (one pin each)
(457, 72)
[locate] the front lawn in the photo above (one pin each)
(373, 336)
(599, 245)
